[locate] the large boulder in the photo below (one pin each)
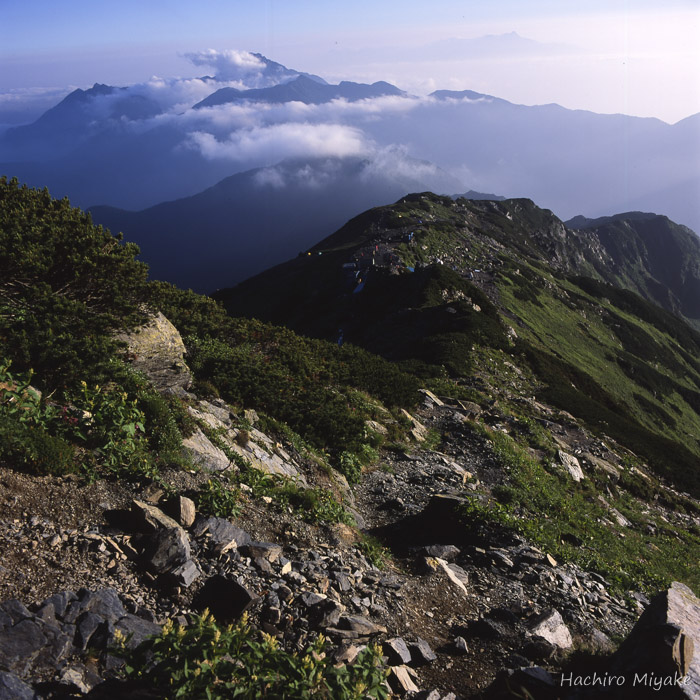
(156, 349)
(663, 648)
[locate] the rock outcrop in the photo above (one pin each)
(156, 349)
(663, 649)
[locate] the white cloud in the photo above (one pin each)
(228, 64)
(278, 141)
(270, 177)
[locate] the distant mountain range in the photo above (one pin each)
(301, 89)
(139, 146)
(252, 220)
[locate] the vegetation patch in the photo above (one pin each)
(210, 662)
(567, 520)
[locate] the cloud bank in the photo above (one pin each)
(286, 140)
(229, 65)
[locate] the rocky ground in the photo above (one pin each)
(453, 612)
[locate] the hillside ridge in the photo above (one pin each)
(489, 506)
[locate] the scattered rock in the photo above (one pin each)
(149, 518)
(448, 552)
(225, 598)
(401, 682)
(183, 510)
(396, 651)
(264, 550)
(224, 535)
(165, 550)
(12, 688)
(421, 653)
(418, 431)
(571, 464)
(460, 644)
(186, 574)
(551, 627)
(430, 398)
(456, 574)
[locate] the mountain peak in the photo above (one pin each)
(302, 88)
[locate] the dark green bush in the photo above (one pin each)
(162, 431)
(65, 285)
(31, 449)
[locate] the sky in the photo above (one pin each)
(637, 57)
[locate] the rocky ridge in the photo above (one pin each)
(454, 612)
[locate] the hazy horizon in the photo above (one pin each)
(606, 57)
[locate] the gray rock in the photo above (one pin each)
(85, 627)
(78, 678)
(225, 598)
(571, 464)
(401, 682)
(204, 454)
(11, 612)
(136, 629)
(217, 408)
(185, 574)
(455, 574)
(347, 654)
(396, 651)
(533, 679)
(264, 550)
(20, 643)
(500, 559)
(183, 510)
(428, 695)
(12, 688)
(538, 649)
(665, 643)
(311, 598)
(325, 613)
(361, 625)
(56, 605)
(600, 642)
(430, 398)
(166, 549)
(149, 518)
(421, 653)
(224, 535)
(448, 552)
(32, 642)
(461, 645)
(105, 603)
(263, 565)
(550, 625)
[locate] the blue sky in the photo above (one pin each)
(633, 56)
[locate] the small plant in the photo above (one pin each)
(373, 550)
(314, 505)
(208, 661)
(113, 426)
(215, 498)
(19, 400)
(350, 466)
(432, 440)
